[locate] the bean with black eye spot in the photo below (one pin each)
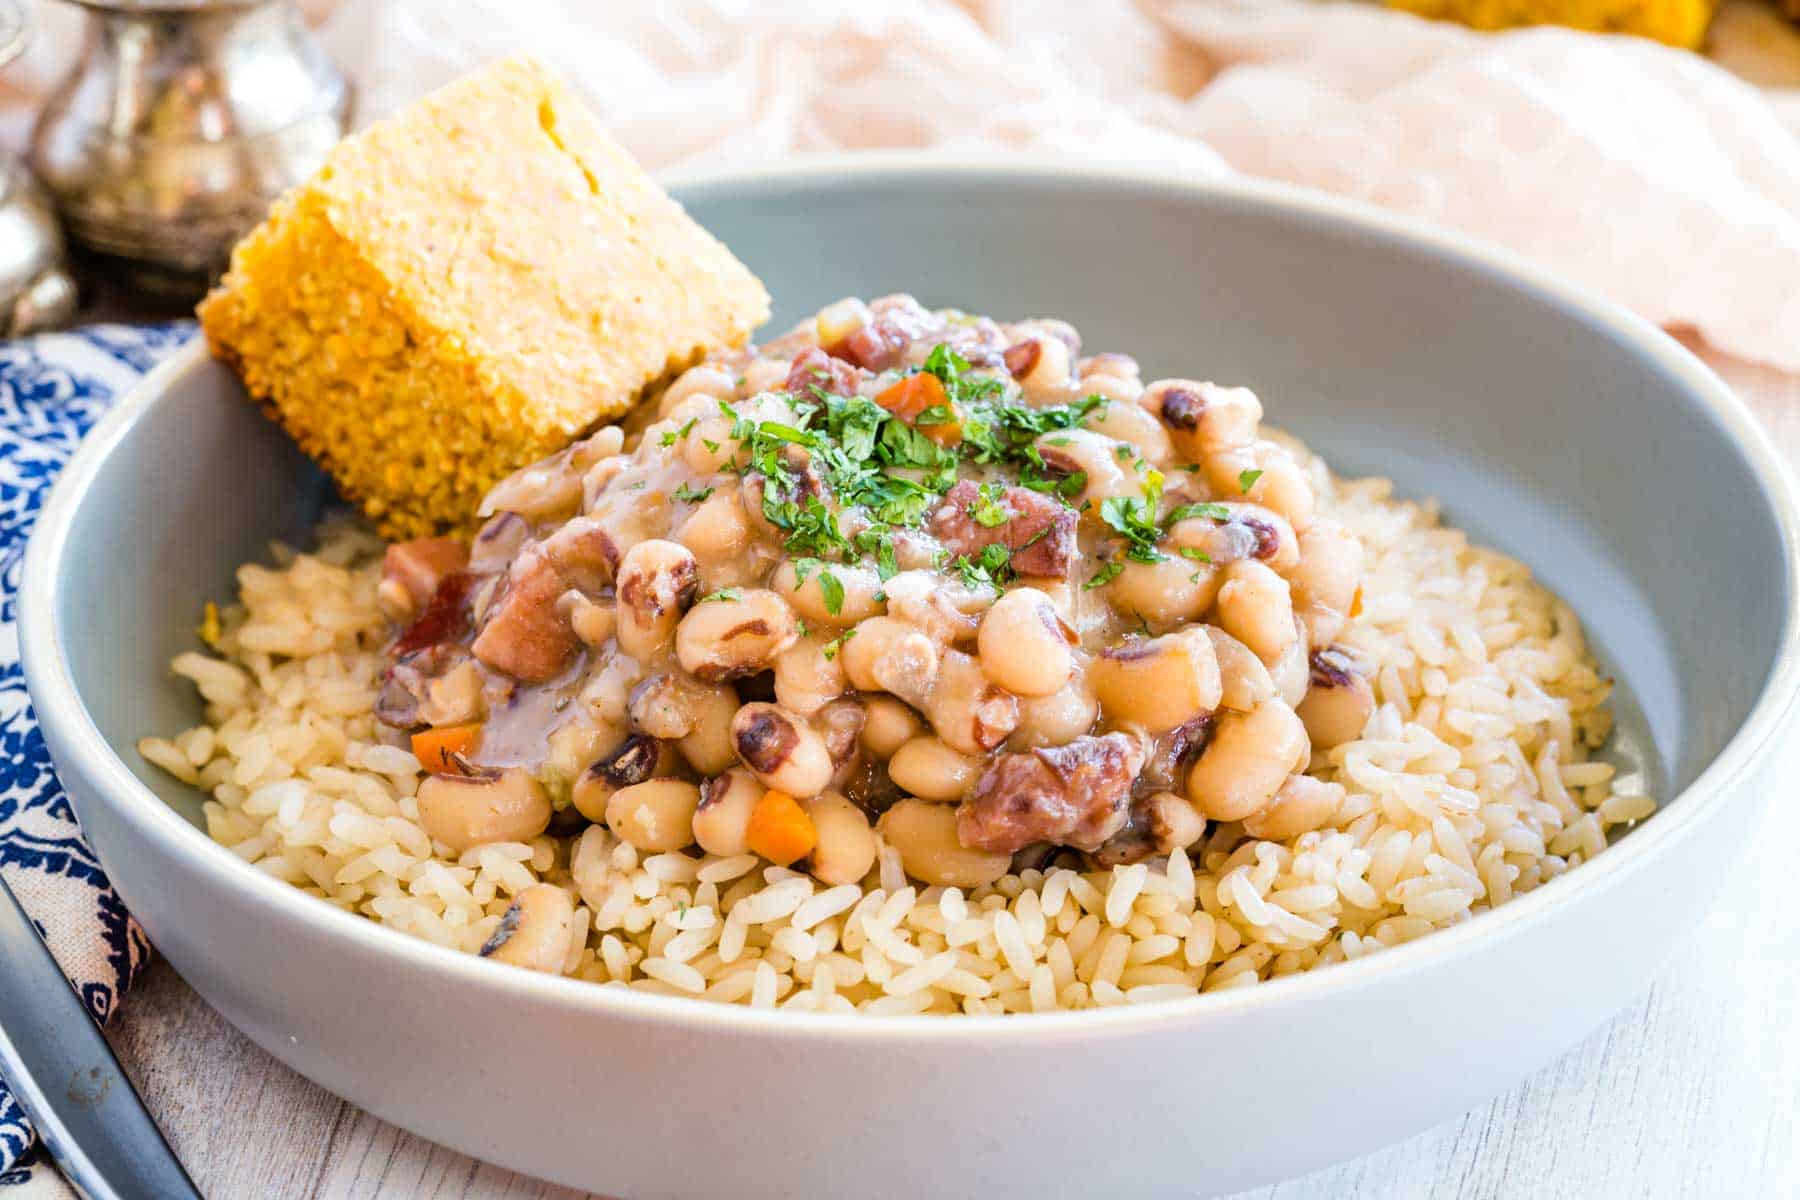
(534, 932)
(781, 750)
(632, 761)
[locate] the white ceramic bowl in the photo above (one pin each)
(1567, 433)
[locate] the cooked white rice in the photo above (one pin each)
(1473, 783)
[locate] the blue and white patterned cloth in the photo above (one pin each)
(52, 390)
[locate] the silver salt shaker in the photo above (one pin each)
(36, 289)
(180, 124)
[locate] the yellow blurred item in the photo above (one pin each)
(1677, 22)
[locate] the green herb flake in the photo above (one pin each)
(1196, 555)
(675, 435)
(692, 494)
(832, 589)
(723, 595)
(837, 643)
(1212, 512)
(987, 510)
(1247, 480)
(1105, 575)
(1134, 518)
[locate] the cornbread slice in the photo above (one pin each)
(465, 287)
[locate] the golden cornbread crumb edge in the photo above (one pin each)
(464, 288)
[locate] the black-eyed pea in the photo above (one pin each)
(886, 654)
(810, 674)
(722, 821)
(1256, 607)
(1024, 646)
(542, 490)
(717, 531)
(657, 581)
(1157, 683)
(781, 750)
(534, 932)
(656, 815)
(1244, 682)
(463, 811)
(1248, 758)
(1276, 481)
(1175, 824)
(1325, 579)
(1169, 592)
(1302, 805)
(707, 746)
(852, 599)
(592, 620)
(665, 706)
(707, 381)
(966, 709)
(1128, 423)
(1233, 530)
(634, 760)
(925, 767)
(924, 834)
(1094, 456)
(1339, 700)
(1042, 364)
(1291, 673)
(846, 847)
(1059, 718)
(1204, 417)
(734, 634)
(888, 724)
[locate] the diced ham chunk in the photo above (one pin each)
(525, 633)
(1077, 794)
(420, 565)
(1039, 529)
(445, 618)
(815, 368)
(899, 321)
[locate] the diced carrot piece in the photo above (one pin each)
(912, 396)
(434, 747)
(1356, 606)
(780, 830)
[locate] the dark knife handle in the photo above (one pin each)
(66, 1079)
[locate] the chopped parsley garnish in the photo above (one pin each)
(850, 452)
(991, 568)
(987, 510)
(675, 435)
(726, 595)
(1212, 512)
(837, 643)
(1134, 518)
(692, 494)
(1196, 554)
(1247, 480)
(832, 589)
(1105, 575)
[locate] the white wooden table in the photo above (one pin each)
(1694, 1091)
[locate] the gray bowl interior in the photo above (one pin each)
(1542, 431)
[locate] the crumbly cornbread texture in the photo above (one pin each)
(465, 287)
(1677, 22)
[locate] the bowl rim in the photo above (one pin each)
(58, 705)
